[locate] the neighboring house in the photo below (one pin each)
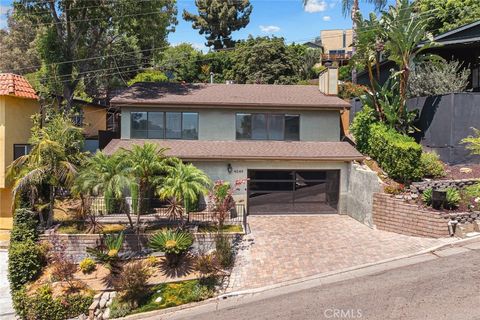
(18, 102)
(285, 139)
(462, 44)
(337, 45)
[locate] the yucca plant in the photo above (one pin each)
(109, 256)
(174, 243)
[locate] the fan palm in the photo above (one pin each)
(146, 164)
(407, 38)
(184, 183)
(51, 162)
(106, 175)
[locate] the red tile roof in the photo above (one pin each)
(16, 85)
(227, 96)
(247, 150)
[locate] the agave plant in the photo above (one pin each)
(173, 242)
(108, 256)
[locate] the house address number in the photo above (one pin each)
(238, 170)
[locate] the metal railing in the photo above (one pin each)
(155, 211)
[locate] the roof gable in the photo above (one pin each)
(16, 86)
(466, 33)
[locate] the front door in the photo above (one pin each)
(293, 191)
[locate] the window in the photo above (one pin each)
(164, 125)
(20, 150)
(267, 126)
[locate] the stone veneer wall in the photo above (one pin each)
(443, 184)
(397, 215)
(77, 244)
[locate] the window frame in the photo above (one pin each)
(267, 116)
(164, 129)
(27, 148)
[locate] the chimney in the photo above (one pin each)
(328, 81)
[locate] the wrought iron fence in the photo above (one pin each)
(155, 211)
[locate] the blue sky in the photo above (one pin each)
(285, 18)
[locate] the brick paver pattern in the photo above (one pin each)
(286, 248)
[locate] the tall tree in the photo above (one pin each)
(218, 18)
(18, 46)
(53, 160)
(180, 62)
(265, 60)
(445, 15)
(82, 37)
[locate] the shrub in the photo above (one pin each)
(398, 155)
(427, 196)
(108, 255)
(25, 226)
(87, 265)
(349, 90)
(431, 165)
(119, 309)
(223, 251)
(25, 263)
(132, 284)
(473, 142)
(360, 128)
(471, 196)
(170, 241)
(43, 306)
(453, 198)
(394, 189)
(206, 264)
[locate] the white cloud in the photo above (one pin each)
(316, 6)
(269, 29)
(327, 18)
(332, 4)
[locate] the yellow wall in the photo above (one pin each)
(15, 125)
(333, 40)
(95, 119)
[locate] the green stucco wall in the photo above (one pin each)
(219, 124)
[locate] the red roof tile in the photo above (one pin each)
(248, 150)
(16, 85)
(227, 96)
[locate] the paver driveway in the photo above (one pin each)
(290, 247)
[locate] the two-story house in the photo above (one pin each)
(18, 102)
(286, 139)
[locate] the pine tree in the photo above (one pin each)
(218, 18)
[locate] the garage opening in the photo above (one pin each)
(293, 191)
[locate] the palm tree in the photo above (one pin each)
(405, 31)
(146, 165)
(51, 162)
(352, 7)
(106, 175)
(184, 183)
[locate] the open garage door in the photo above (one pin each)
(293, 191)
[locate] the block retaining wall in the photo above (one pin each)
(397, 215)
(77, 244)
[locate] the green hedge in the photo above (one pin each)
(398, 155)
(360, 128)
(25, 226)
(25, 261)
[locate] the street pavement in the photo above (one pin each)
(440, 285)
(6, 309)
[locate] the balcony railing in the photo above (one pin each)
(336, 56)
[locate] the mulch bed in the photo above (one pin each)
(454, 173)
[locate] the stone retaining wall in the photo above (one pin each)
(443, 184)
(77, 244)
(397, 215)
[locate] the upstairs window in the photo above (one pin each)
(164, 125)
(267, 126)
(21, 150)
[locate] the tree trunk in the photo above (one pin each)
(51, 206)
(354, 36)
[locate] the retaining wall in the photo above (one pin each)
(76, 244)
(397, 215)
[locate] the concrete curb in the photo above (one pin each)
(338, 272)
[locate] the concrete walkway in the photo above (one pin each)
(285, 248)
(6, 309)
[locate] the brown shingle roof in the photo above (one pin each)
(16, 85)
(228, 95)
(248, 150)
